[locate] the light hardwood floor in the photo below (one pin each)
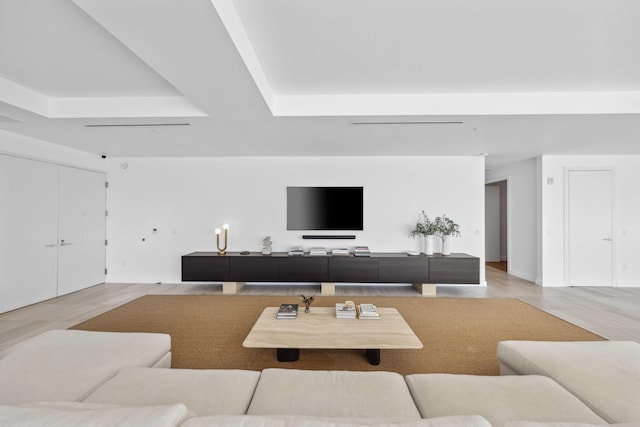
(613, 313)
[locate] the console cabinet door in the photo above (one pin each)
(353, 269)
(403, 270)
(454, 270)
(303, 269)
(248, 268)
(205, 268)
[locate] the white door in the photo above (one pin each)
(81, 229)
(590, 227)
(492, 223)
(28, 231)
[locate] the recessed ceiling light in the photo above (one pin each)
(114, 125)
(409, 122)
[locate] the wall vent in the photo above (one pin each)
(409, 122)
(128, 125)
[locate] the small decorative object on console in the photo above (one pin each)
(426, 228)
(446, 229)
(340, 252)
(318, 252)
(296, 251)
(266, 246)
(307, 302)
(222, 250)
(361, 251)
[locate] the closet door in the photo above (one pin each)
(81, 229)
(28, 231)
(589, 223)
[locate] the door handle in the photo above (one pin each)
(51, 245)
(608, 239)
(63, 243)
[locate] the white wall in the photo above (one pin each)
(626, 236)
(185, 199)
(522, 214)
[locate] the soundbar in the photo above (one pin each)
(328, 236)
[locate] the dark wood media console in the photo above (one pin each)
(423, 271)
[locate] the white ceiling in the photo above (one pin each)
(290, 77)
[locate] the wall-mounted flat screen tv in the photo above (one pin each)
(324, 208)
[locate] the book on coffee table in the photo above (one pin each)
(287, 311)
(345, 311)
(368, 311)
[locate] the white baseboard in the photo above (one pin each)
(483, 283)
(127, 279)
(522, 276)
(628, 285)
(551, 284)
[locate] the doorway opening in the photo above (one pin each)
(496, 219)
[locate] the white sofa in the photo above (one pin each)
(70, 378)
(69, 365)
(605, 375)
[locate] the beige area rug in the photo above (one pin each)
(459, 335)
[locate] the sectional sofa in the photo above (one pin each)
(76, 378)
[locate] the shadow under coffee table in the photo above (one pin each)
(321, 329)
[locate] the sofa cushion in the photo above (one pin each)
(381, 395)
(603, 374)
(498, 399)
(68, 365)
(295, 421)
(157, 416)
(205, 392)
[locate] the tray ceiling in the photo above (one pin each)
(284, 77)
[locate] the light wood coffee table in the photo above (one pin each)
(320, 329)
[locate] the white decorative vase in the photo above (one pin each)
(428, 244)
(446, 245)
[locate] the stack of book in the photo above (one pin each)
(296, 251)
(318, 252)
(368, 311)
(361, 251)
(346, 310)
(287, 311)
(340, 252)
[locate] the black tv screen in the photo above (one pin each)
(324, 208)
